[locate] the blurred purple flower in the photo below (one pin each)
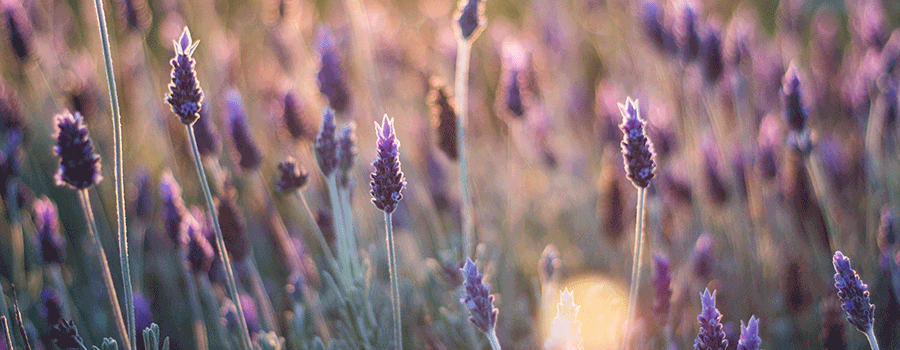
(51, 243)
(234, 230)
(291, 176)
(346, 154)
(662, 281)
(652, 18)
(295, 118)
(687, 34)
(332, 82)
(174, 210)
(250, 157)
(19, 30)
(51, 306)
(326, 144)
(443, 118)
(470, 19)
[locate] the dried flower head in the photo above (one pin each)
(346, 154)
(662, 283)
(470, 19)
(332, 82)
(854, 294)
(636, 147)
(79, 166)
(387, 179)
(65, 335)
(51, 243)
(326, 144)
(750, 335)
(477, 298)
(443, 118)
(184, 91)
(565, 329)
(711, 335)
(173, 209)
(291, 176)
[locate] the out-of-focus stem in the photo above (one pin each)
(342, 249)
(196, 311)
(635, 268)
(213, 304)
(220, 242)
(69, 309)
(820, 187)
(104, 264)
(395, 284)
(463, 48)
(347, 215)
(259, 290)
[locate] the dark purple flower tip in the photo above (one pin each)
(200, 252)
(662, 283)
(713, 63)
(470, 19)
(513, 91)
(79, 166)
(750, 335)
(887, 233)
(143, 204)
(291, 176)
(65, 335)
(688, 37)
(208, 142)
(550, 265)
(51, 243)
(250, 157)
(711, 335)
(443, 118)
(387, 179)
(234, 230)
(174, 210)
(854, 294)
(653, 21)
(326, 144)
(346, 153)
(51, 306)
(184, 90)
(135, 15)
(18, 29)
(794, 112)
(636, 147)
(332, 82)
(295, 118)
(477, 298)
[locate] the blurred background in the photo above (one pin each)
(745, 201)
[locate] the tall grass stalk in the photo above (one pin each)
(119, 175)
(635, 267)
(395, 285)
(872, 341)
(104, 264)
(220, 242)
(461, 89)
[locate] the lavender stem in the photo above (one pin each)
(635, 267)
(463, 49)
(395, 285)
(872, 341)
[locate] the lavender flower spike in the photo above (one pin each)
(185, 95)
(79, 166)
(250, 156)
(662, 280)
(854, 294)
(331, 79)
(346, 153)
(478, 299)
(291, 176)
(387, 179)
(326, 144)
(711, 335)
(51, 243)
(750, 335)
(470, 18)
(636, 147)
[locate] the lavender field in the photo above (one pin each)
(427, 174)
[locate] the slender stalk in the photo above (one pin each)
(492, 337)
(104, 264)
(259, 290)
(347, 215)
(16, 237)
(635, 267)
(872, 341)
(202, 343)
(119, 173)
(395, 285)
(820, 188)
(18, 315)
(212, 317)
(6, 333)
(462, 95)
(220, 242)
(329, 256)
(336, 211)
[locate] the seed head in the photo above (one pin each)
(326, 144)
(250, 157)
(51, 243)
(636, 147)
(711, 335)
(750, 335)
(387, 179)
(184, 91)
(854, 294)
(477, 298)
(291, 176)
(332, 83)
(470, 19)
(79, 166)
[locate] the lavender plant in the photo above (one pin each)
(711, 335)
(854, 295)
(480, 303)
(750, 335)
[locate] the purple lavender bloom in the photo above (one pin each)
(550, 265)
(713, 65)
(79, 166)
(443, 119)
(688, 37)
(248, 305)
(702, 256)
(174, 210)
(326, 144)
(208, 142)
(51, 306)
(387, 179)
(477, 299)
(143, 316)
(654, 27)
(291, 176)
(346, 154)
(794, 111)
(711, 335)
(854, 294)
(51, 243)
(715, 184)
(750, 335)
(19, 29)
(65, 335)
(470, 18)
(887, 233)
(185, 95)
(636, 148)
(295, 119)
(250, 157)
(200, 252)
(662, 282)
(143, 204)
(332, 82)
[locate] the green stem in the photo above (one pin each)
(635, 267)
(326, 249)
(202, 343)
(212, 304)
(395, 285)
(492, 337)
(462, 94)
(220, 242)
(872, 341)
(259, 290)
(342, 249)
(347, 215)
(104, 264)
(119, 173)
